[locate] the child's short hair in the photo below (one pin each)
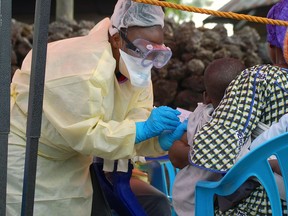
(219, 74)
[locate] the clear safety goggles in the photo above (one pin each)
(151, 53)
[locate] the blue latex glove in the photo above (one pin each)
(161, 118)
(167, 139)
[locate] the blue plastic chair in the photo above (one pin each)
(161, 174)
(253, 164)
(166, 181)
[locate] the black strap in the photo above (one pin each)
(100, 206)
(116, 188)
(40, 38)
(5, 78)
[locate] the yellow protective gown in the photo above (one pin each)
(86, 113)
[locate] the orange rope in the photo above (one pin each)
(230, 15)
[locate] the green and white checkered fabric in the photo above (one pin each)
(258, 94)
(256, 204)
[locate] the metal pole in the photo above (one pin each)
(5, 79)
(36, 90)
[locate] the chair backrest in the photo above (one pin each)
(254, 164)
(161, 174)
(168, 174)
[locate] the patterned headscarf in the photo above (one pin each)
(276, 33)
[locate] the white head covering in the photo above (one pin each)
(128, 13)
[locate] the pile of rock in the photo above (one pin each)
(180, 83)
(22, 36)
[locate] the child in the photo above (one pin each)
(217, 77)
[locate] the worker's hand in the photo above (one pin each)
(161, 119)
(166, 139)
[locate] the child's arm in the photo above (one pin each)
(178, 153)
(275, 166)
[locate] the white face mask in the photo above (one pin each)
(139, 76)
